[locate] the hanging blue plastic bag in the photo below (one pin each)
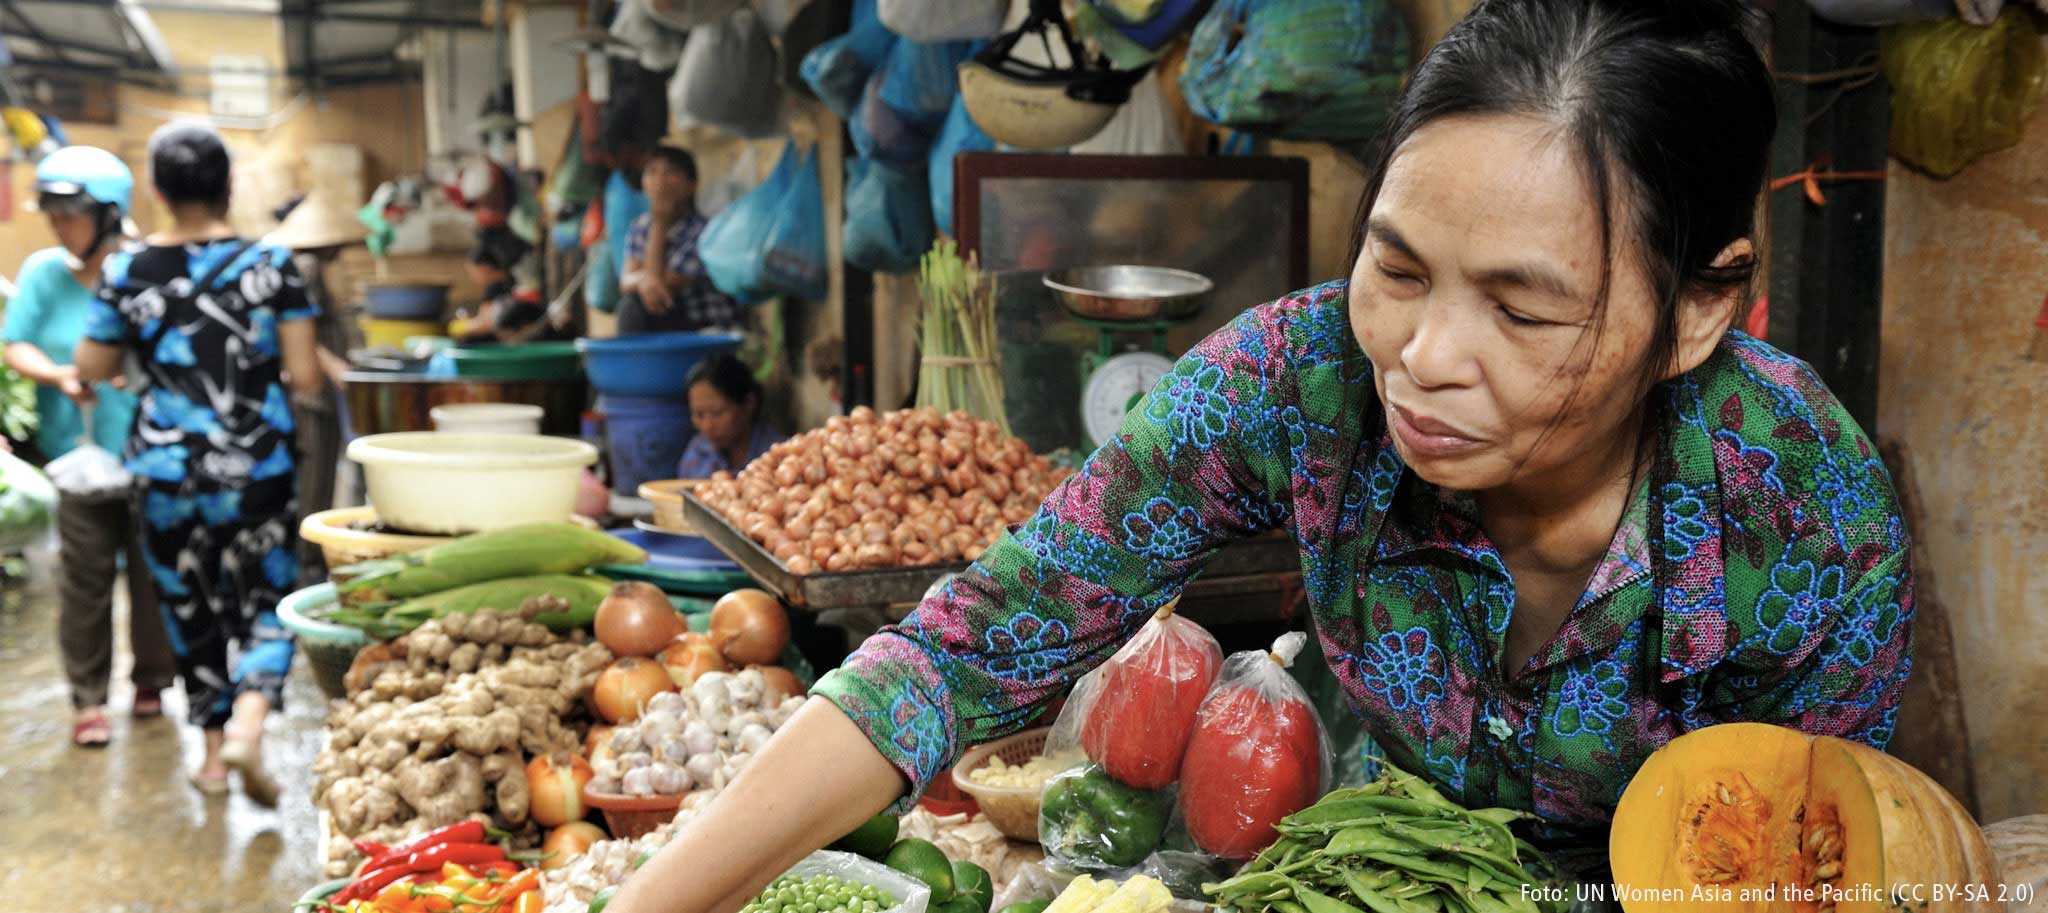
(601, 283)
(793, 263)
(838, 69)
(961, 134)
(1319, 70)
(734, 240)
(888, 221)
(623, 205)
(921, 80)
(882, 133)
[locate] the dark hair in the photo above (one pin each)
(678, 159)
(1668, 104)
(189, 163)
(498, 247)
(728, 375)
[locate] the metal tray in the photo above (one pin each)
(1266, 555)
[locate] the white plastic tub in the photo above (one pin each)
(487, 418)
(450, 484)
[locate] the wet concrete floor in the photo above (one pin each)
(119, 830)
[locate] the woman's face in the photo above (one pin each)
(74, 230)
(716, 417)
(1475, 295)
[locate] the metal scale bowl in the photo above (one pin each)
(1118, 300)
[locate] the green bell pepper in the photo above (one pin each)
(1092, 820)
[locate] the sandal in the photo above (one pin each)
(149, 705)
(91, 730)
(240, 756)
(208, 786)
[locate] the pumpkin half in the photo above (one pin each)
(1754, 817)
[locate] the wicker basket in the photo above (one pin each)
(667, 497)
(630, 817)
(336, 533)
(1012, 809)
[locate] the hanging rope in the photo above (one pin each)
(1812, 177)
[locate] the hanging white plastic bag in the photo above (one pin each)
(943, 20)
(1141, 127)
(90, 472)
(655, 45)
(727, 77)
(27, 500)
(1258, 753)
(691, 14)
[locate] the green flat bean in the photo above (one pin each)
(1253, 883)
(1326, 812)
(1499, 815)
(1370, 839)
(1318, 902)
(1288, 906)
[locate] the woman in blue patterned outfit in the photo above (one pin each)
(219, 325)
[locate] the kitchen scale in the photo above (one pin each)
(1120, 302)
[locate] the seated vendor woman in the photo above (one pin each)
(1552, 513)
(725, 408)
(507, 313)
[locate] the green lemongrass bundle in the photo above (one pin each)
(961, 370)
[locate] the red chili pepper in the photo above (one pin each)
(371, 848)
(466, 832)
(428, 860)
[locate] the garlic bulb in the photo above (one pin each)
(702, 768)
(640, 781)
(712, 691)
(626, 739)
(636, 759)
(740, 723)
(748, 688)
(674, 750)
(671, 780)
(753, 738)
(667, 702)
(699, 737)
(610, 785)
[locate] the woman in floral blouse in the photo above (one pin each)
(1551, 511)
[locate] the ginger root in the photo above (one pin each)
(513, 793)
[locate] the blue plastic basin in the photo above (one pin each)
(657, 364)
(406, 302)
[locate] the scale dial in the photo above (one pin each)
(1117, 387)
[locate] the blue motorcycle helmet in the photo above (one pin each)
(90, 181)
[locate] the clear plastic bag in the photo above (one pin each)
(1257, 755)
(90, 472)
(943, 20)
(27, 500)
(1134, 715)
(1130, 720)
(912, 896)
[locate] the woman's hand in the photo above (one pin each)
(80, 392)
(815, 781)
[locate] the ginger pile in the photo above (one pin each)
(439, 723)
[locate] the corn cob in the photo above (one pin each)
(1082, 896)
(1138, 895)
(538, 548)
(581, 592)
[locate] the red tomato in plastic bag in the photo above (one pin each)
(1250, 763)
(1145, 706)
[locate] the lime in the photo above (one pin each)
(972, 881)
(924, 862)
(1029, 906)
(872, 839)
(958, 904)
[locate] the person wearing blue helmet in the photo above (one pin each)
(84, 193)
(223, 329)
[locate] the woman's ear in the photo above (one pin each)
(1705, 316)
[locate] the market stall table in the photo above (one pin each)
(1249, 581)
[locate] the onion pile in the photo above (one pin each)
(874, 491)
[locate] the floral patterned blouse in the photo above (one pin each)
(1761, 574)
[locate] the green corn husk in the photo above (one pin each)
(582, 593)
(519, 551)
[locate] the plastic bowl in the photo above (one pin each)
(667, 498)
(343, 543)
(657, 364)
(396, 334)
(408, 301)
(525, 361)
(1012, 809)
(451, 484)
(630, 817)
(487, 418)
(330, 648)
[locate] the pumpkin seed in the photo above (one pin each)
(1830, 870)
(1727, 798)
